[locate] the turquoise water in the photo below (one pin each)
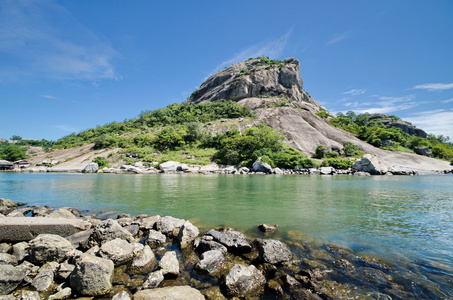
(400, 219)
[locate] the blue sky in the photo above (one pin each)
(66, 66)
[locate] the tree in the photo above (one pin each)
(350, 149)
(13, 153)
(16, 138)
(320, 151)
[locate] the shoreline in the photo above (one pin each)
(203, 259)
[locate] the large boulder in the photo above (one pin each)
(144, 259)
(273, 251)
(119, 251)
(169, 264)
(155, 239)
(49, 247)
(423, 151)
(92, 275)
(170, 293)
(259, 166)
(169, 226)
(211, 261)
(371, 164)
(235, 241)
(61, 213)
(91, 168)
(10, 278)
(108, 230)
(242, 280)
(169, 166)
(7, 202)
(45, 277)
(187, 234)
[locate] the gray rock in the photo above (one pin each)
(273, 251)
(182, 167)
(153, 280)
(61, 213)
(267, 228)
(134, 229)
(20, 251)
(119, 251)
(207, 243)
(81, 239)
(169, 264)
(109, 230)
(49, 247)
(17, 213)
(242, 280)
(123, 295)
(187, 234)
(169, 166)
(40, 211)
(211, 261)
(91, 168)
(278, 171)
(147, 223)
(155, 239)
(7, 202)
(10, 278)
(326, 170)
(8, 259)
(259, 166)
(63, 294)
(234, 240)
(144, 260)
(64, 270)
(169, 226)
(423, 151)
(170, 293)
(5, 248)
(28, 295)
(92, 275)
(370, 163)
(45, 277)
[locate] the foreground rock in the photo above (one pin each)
(244, 280)
(10, 278)
(234, 240)
(170, 293)
(49, 247)
(273, 251)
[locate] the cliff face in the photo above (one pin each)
(273, 90)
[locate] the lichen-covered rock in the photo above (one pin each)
(187, 234)
(155, 239)
(235, 241)
(10, 278)
(109, 230)
(169, 226)
(169, 264)
(119, 251)
(211, 261)
(273, 251)
(242, 280)
(92, 275)
(170, 293)
(49, 247)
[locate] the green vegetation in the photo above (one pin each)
(11, 152)
(102, 162)
(376, 133)
(337, 163)
(265, 63)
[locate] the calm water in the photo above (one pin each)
(401, 219)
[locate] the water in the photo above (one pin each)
(404, 220)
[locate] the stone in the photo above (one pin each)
(91, 168)
(213, 293)
(273, 251)
(182, 167)
(64, 271)
(169, 226)
(169, 264)
(259, 166)
(26, 228)
(10, 278)
(123, 295)
(7, 202)
(92, 275)
(64, 293)
(170, 293)
(242, 280)
(369, 163)
(8, 259)
(278, 171)
(187, 234)
(267, 228)
(155, 239)
(327, 171)
(40, 211)
(108, 230)
(119, 251)
(5, 248)
(147, 223)
(49, 247)
(169, 166)
(28, 295)
(80, 239)
(207, 243)
(423, 151)
(235, 241)
(211, 261)
(45, 277)
(20, 251)
(61, 213)
(274, 287)
(134, 229)
(153, 280)
(16, 214)
(144, 260)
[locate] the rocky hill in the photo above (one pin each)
(273, 90)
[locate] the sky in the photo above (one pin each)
(66, 66)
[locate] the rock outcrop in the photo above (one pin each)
(404, 126)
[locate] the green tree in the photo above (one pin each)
(16, 138)
(101, 161)
(13, 153)
(350, 149)
(320, 152)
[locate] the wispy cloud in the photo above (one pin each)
(67, 128)
(384, 104)
(448, 100)
(49, 97)
(338, 38)
(45, 40)
(355, 92)
(272, 49)
(434, 86)
(438, 122)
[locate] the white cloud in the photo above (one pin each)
(272, 49)
(42, 38)
(448, 100)
(384, 104)
(338, 38)
(49, 97)
(434, 86)
(355, 92)
(438, 122)
(67, 128)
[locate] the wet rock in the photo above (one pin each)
(187, 234)
(172, 292)
(92, 275)
(28, 295)
(242, 280)
(211, 261)
(10, 278)
(20, 251)
(268, 269)
(207, 243)
(144, 260)
(49, 247)
(267, 228)
(235, 241)
(273, 251)
(123, 295)
(274, 287)
(213, 293)
(169, 226)
(109, 230)
(45, 277)
(155, 239)
(8, 259)
(64, 293)
(290, 281)
(169, 264)
(40, 211)
(153, 280)
(147, 222)
(61, 213)
(119, 251)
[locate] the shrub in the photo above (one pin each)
(101, 161)
(337, 163)
(350, 149)
(13, 153)
(320, 152)
(332, 154)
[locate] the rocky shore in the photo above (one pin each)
(64, 253)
